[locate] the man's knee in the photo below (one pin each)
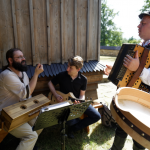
(97, 117)
(33, 136)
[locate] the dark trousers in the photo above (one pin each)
(121, 133)
(78, 124)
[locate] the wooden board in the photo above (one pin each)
(23, 29)
(92, 33)
(50, 31)
(67, 27)
(3, 134)
(80, 28)
(55, 32)
(40, 30)
(6, 30)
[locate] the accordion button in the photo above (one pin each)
(143, 134)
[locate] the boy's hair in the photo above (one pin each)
(76, 61)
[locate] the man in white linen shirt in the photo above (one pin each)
(15, 87)
(133, 64)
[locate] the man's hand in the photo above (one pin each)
(59, 98)
(77, 102)
(39, 69)
(132, 63)
(107, 69)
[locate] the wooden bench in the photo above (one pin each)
(95, 105)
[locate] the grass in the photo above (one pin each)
(99, 138)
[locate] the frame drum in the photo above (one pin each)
(131, 109)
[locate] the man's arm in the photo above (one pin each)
(52, 89)
(39, 69)
(82, 95)
(13, 84)
(107, 69)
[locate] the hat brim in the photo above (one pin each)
(143, 14)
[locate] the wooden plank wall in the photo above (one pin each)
(50, 31)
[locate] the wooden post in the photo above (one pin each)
(99, 30)
(14, 23)
(75, 20)
(48, 33)
(32, 32)
(62, 33)
(88, 31)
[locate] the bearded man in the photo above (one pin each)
(15, 87)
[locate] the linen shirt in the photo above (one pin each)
(145, 74)
(67, 84)
(12, 90)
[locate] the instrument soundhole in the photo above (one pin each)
(36, 101)
(23, 106)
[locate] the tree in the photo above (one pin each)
(110, 34)
(146, 6)
(133, 40)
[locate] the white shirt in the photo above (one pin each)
(145, 74)
(12, 90)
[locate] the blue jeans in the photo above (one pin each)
(78, 124)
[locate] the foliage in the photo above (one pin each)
(133, 40)
(110, 34)
(146, 6)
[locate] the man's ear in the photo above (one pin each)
(79, 69)
(10, 60)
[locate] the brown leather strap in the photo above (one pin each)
(139, 70)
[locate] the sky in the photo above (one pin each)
(127, 19)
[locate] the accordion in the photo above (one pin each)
(121, 76)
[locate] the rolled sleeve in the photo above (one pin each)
(83, 87)
(14, 85)
(145, 76)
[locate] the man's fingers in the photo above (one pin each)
(126, 60)
(125, 64)
(129, 57)
(136, 54)
(41, 66)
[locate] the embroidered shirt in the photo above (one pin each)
(145, 74)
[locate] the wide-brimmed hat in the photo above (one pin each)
(143, 14)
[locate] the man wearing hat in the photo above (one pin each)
(133, 64)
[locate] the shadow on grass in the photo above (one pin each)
(50, 139)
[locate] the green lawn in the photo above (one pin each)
(99, 138)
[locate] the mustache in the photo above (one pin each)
(23, 62)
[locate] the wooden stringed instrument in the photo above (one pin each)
(69, 96)
(19, 113)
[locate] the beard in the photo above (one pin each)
(20, 66)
